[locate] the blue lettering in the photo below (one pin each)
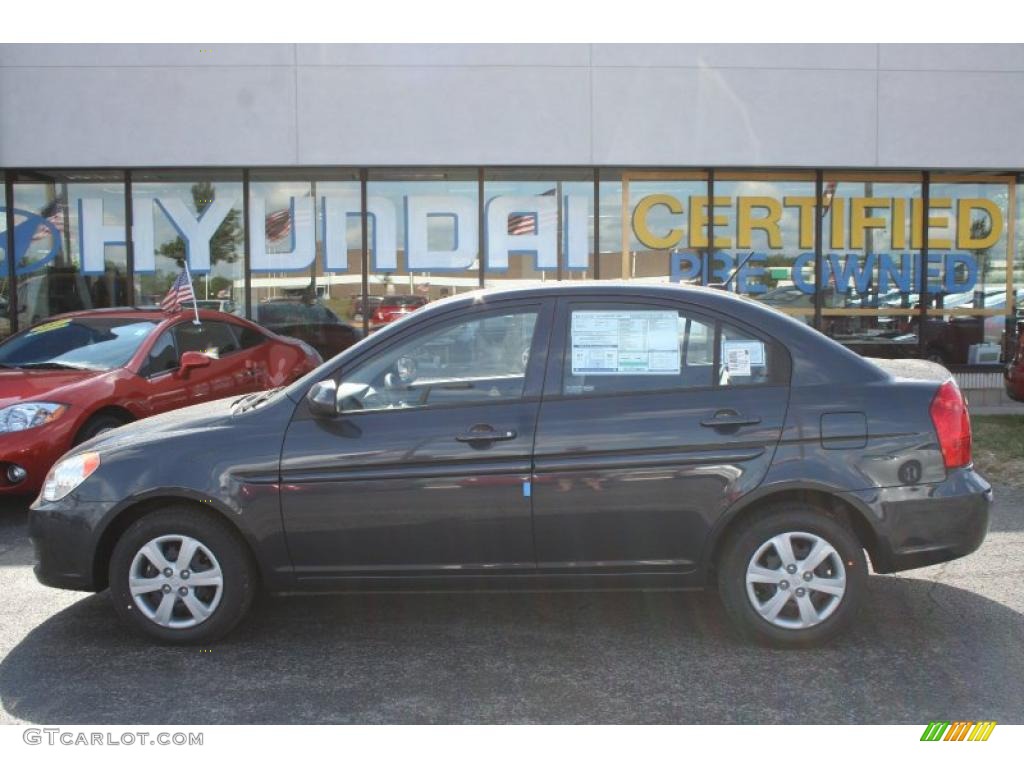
(799, 264)
(900, 276)
(851, 268)
(748, 271)
(684, 265)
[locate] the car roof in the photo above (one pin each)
(143, 313)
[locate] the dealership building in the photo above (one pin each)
(869, 190)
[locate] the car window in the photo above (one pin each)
(163, 356)
(248, 337)
(210, 338)
(630, 348)
(744, 358)
(482, 359)
(88, 343)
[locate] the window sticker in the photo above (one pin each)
(51, 326)
(644, 342)
(740, 356)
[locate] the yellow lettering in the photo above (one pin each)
(917, 208)
(806, 206)
(838, 210)
(721, 220)
(698, 222)
(643, 231)
(965, 239)
(899, 223)
(768, 223)
(861, 219)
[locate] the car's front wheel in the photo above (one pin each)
(181, 575)
(793, 577)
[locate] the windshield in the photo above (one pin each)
(86, 343)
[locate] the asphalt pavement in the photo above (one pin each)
(940, 643)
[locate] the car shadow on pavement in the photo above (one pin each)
(921, 651)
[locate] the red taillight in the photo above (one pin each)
(952, 425)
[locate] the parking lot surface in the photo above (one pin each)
(945, 643)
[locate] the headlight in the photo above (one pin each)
(67, 474)
(15, 418)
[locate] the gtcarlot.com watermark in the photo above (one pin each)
(73, 738)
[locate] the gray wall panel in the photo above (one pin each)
(99, 116)
(460, 115)
(939, 106)
(733, 117)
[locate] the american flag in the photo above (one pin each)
(525, 223)
(53, 212)
(181, 292)
(279, 225)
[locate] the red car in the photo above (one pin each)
(76, 375)
(392, 308)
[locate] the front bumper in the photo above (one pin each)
(64, 537)
(923, 525)
(35, 450)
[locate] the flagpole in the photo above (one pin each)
(195, 302)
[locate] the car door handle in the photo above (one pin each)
(729, 419)
(484, 434)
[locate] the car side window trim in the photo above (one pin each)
(144, 369)
(535, 369)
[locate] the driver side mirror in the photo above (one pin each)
(322, 399)
(190, 360)
(327, 399)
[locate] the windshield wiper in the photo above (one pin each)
(254, 400)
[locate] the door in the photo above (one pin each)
(655, 418)
(427, 467)
(227, 374)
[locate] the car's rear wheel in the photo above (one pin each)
(181, 575)
(792, 577)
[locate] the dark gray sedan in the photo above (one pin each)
(574, 436)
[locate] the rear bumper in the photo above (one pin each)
(917, 526)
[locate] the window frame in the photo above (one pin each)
(144, 371)
(225, 323)
(535, 369)
(554, 383)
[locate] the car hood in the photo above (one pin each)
(22, 386)
(191, 420)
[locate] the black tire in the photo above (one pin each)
(228, 550)
(101, 422)
(741, 546)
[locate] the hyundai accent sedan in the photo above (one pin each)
(76, 375)
(572, 436)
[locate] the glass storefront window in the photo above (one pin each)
(194, 217)
(69, 243)
(306, 256)
(663, 230)
(423, 239)
(971, 298)
(431, 234)
(871, 262)
(764, 234)
(539, 226)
